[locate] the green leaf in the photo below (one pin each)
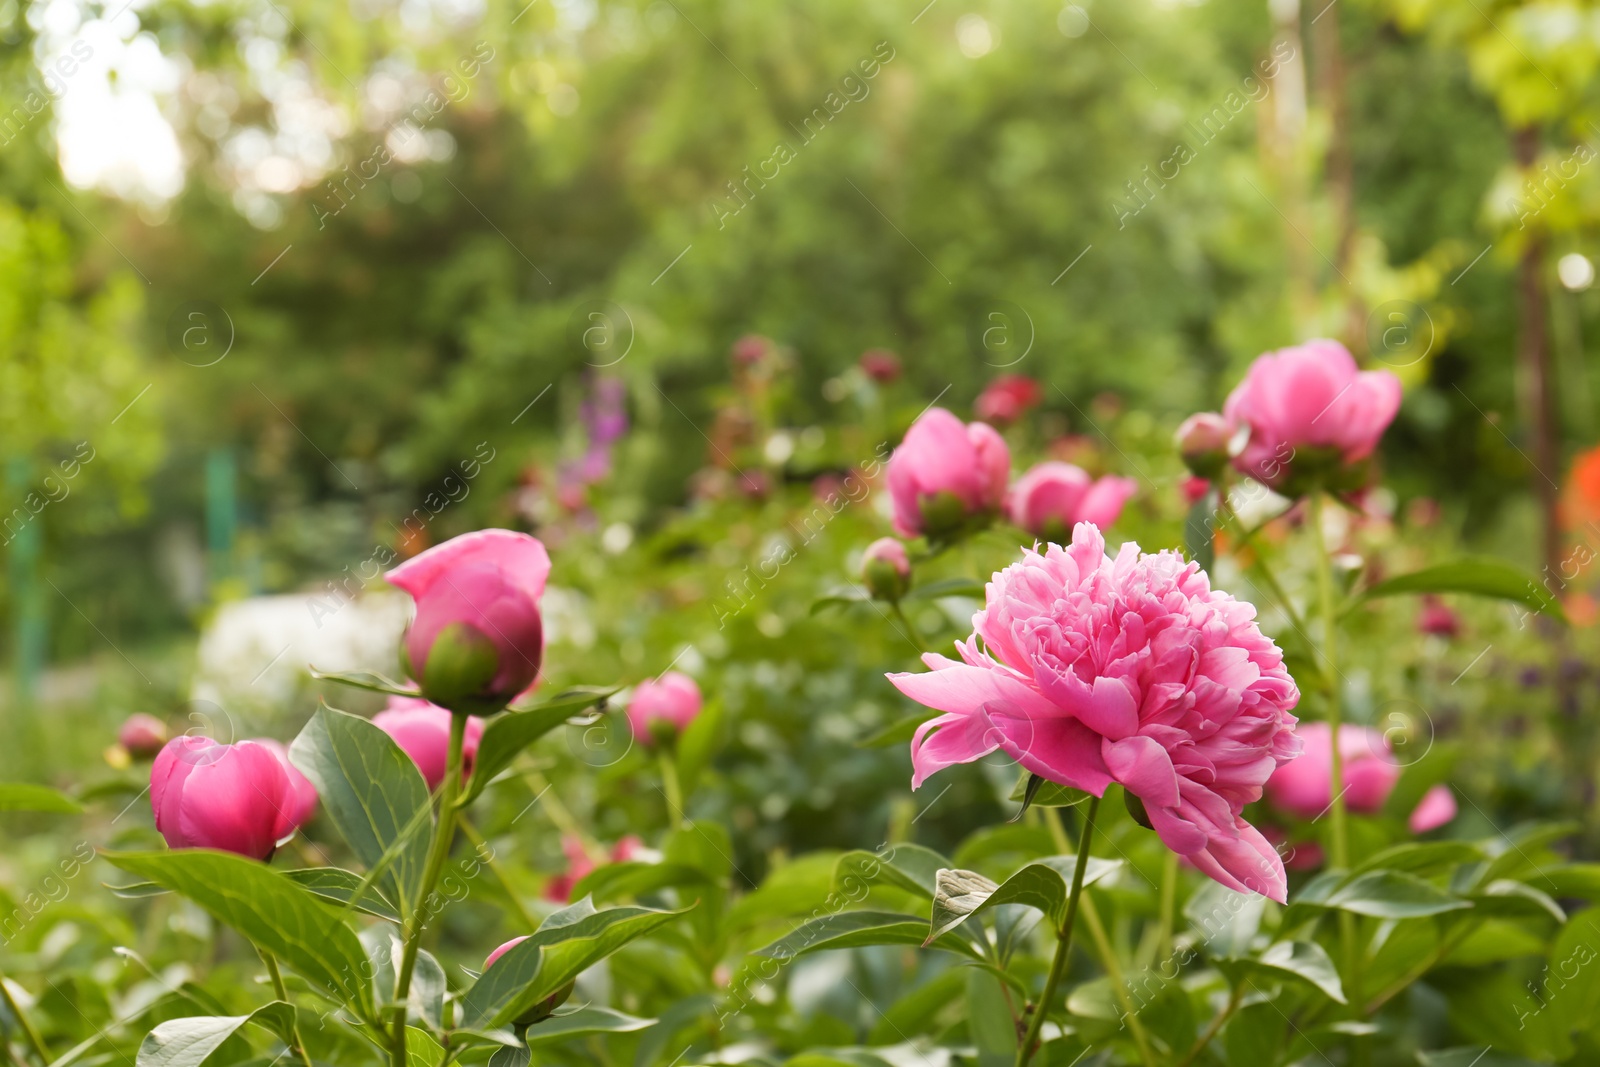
(276, 914)
(421, 1049)
(371, 681)
(905, 866)
(1199, 526)
(1393, 895)
(1305, 960)
(341, 886)
(1416, 856)
(1478, 576)
(696, 747)
(1580, 880)
(549, 959)
(564, 1026)
(23, 796)
(190, 1042)
(509, 733)
(374, 794)
(914, 1012)
(842, 598)
(620, 881)
(989, 1019)
(854, 929)
(967, 587)
(1033, 791)
(1471, 1056)
(1508, 897)
(1043, 885)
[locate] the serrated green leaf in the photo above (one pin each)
(1480, 576)
(279, 916)
(374, 794)
(23, 796)
(1393, 895)
(189, 1042)
(509, 733)
(854, 929)
(1043, 885)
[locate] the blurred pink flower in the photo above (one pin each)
(1054, 497)
(479, 593)
(1304, 788)
(142, 735)
(673, 698)
(1092, 671)
(579, 866)
(1312, 414)
(422, 730)
(1438, 618)
(1194, 489)
(881, 365)
(1007, 399)
(957, 470)
(238, 798)
(886, 569)
(749, 349)
(1202, 441)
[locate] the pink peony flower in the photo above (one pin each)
(142, 735)
(945, 473)
(1312, 415)
(302, 796)
(1054, 497)
(1203, 441)
(238, 798)
(1194, 489)
(1092, 671)
(1438, 618)
(1007, 399)
(674, 699)
(422, 730)
(478, 639)
(1304, 788)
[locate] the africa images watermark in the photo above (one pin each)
(54, 87)
(57, 487)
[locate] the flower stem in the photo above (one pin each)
(34, 1040)
(493, 863)
(1058, 966)
(1216, 1024)
(911, 631)
(670, 788)
(282, 992)
(438, 853)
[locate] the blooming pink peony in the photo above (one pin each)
(1054, 497)
(945, 473)
(478, 639)
(1092, 671)
(1304, 787)
(674, 698)
(238, 798)
(1312, 415)
(422, 730)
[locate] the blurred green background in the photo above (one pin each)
(274, 275)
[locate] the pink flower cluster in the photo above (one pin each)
(1088, 670)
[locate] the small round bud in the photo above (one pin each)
(885, 569)
(1203, 441)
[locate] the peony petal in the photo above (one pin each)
(1060, 750)
(1438, 806)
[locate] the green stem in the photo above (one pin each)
(1216, 1024)
(1058, 966)
(282, 992)
(1169, 895)
(670, 788)
(34, 1040)
(438, 853)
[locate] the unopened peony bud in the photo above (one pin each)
(142, 735)
(1202, 441)
(885, 569)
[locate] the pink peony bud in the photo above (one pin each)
(1313, 416)
(881, 365)
(1087, 671)
(946, 476)
(422, 730)
(885, 569)
(672, 700)
(1007, 399)
(629, 847)
(238, 798)
(502, 950)
(477, 639)
(142, 735)
(1202, 441)
(302, 795)
(1194, 489)
(1054, 497)
(579, 865)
